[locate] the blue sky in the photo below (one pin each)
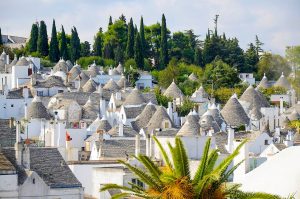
(276, 22)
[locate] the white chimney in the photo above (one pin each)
(137, 144)
(148, 145)
(25, 93)
(102, 106)
(25, 111)
(118, 95)
(121, 129)
(18, 128)
(7, 59)
(281, 105)
(230, 139)
(239, 173)
(170, 110)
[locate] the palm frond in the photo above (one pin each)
(182, 158)
(252, 195)
(204, 182)
(222, 167)
(121, 195)
(163, 152)
(201, 168)
(151, 167)
(211, 161)
(142, 175)
(115, 186)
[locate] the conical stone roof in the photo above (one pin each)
(207, 122)
(143, 119)
(111, 85)
(283, 82)
(193, 77)
(22, 62)
(90, 110)
(123, 82)
(157, 119)
(191, 127)
(294, 116)
(134, 98)
(120, 68)
(264, 83)
(173, 91)
(37, 110)
(61, 66)
(93, 70)
(104, 125)
(83, 78)
(74, 72)
(234, 114)
(252, 98)
(90, 86)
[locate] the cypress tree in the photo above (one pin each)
(198, 57)
(142, 35)
(85, 49)
(54, 50)
(98, 43)
(34, 34)
(119, 54)
(63, 45)
(1, 42)
(75, 45)
(164, 44)
(138, 57)
(130, 41)
(108, 52)
(42, 44)
(110, 21)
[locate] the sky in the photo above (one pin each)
(276, 22)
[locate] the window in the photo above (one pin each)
(29, 71)
(39, 93)
(137, 182)
(247, 76)
(60, 91)
(11, 105)
(266, 142)
(167, 124)
(33, 181)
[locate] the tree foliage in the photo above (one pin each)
(220, 74)
(130, 41)
(174, 180)
(164, 44)
(98, 43)
(273, 65)
(63, 45)
(54, 49)
(42, 44)
(74, 45)
(34, 34)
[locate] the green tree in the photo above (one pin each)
(119, 54)
(108, 51)
(34, 34)
(174, 180)
(116, 35)
(98, 43)
(110, 22)
(130, 41)
(153, 38)
(63, 45)
(251, 59)
(258, 45)
(292, 53)
(220, 74)
(142, 35)
(54, 50)
(75, 45)
(42, 46)
(85, 49)
(198, 57)
(273, 65)
(138, 55)
(1, 42)
(164, 44)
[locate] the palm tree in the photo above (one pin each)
(174, 180)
